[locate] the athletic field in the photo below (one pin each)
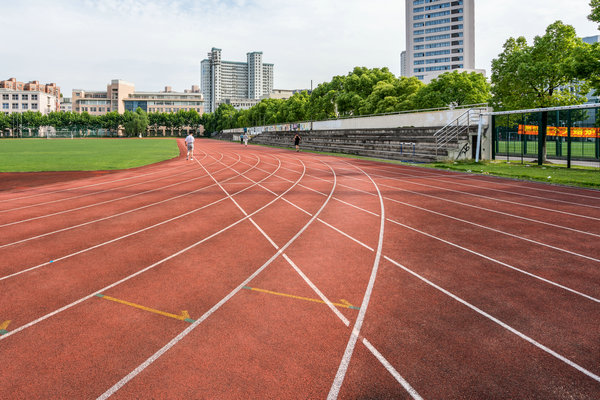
(254, 272)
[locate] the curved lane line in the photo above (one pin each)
(343, 368)
(184, 333)
(453, 244)
(104, 289)
(107, 217)
(125, 236)
(497, 321)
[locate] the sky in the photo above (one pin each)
(84, 44)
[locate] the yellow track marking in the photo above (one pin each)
(4, 325)
(182, 317)
(343, 303)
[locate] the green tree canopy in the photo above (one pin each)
(453, 88)
(595, 14)
(540, 75)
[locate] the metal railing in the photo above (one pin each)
(449, 134)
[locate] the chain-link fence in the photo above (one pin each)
(571, 133)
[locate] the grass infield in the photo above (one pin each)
(550, 173)
(29, 155)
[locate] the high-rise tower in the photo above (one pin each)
(440, 37)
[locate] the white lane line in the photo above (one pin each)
(85, 186)
(168, 175)
(104, 218)
(497, 321)
(469, 222)
(103, 202)
(496, 230)
(123, 236)
(545, 199)
(104, 289)
(495, 199)
(489, 258)
(413, 393)
(497, 262)
(345, 362)
(193, 326)
(457, 246)
(462, 204)
(503, 181)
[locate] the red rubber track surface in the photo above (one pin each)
(303, 276)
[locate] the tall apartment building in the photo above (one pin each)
(237, 83)
(440, 37)
(31, 96)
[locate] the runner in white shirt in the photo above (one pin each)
(189, 141)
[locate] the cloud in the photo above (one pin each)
(153, 43)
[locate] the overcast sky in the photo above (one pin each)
(154, 43)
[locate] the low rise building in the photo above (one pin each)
(167, 101)
(31, 96)
(102, 102)
(66, 105)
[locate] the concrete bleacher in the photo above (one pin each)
(404, 144)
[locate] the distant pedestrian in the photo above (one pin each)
(246, 139)
(189, 141)
(242, 138)
(297, 142)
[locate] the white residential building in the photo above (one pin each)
(20, 101)
(235, 83)
(440, 37)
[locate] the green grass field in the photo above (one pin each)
(551, 173)
(28, 155)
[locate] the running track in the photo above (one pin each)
(265, 273)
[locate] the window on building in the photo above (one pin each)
(15, 97)
(4, 97)
(34, 106)
(25, 106)
(5, 106)
(15, 106)
(34, 97)
(24, 97)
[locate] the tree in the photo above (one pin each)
(453, 88)
(537, 76)
(595, 14)
(136, 122)
(391, 95)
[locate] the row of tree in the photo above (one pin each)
(131, 123)
(362, 92)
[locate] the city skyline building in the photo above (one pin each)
(240, 84)
(440, 37)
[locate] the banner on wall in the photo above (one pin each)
(560, 131)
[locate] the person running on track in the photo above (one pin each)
(189, 141)
(246, 139)
(297, 142)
